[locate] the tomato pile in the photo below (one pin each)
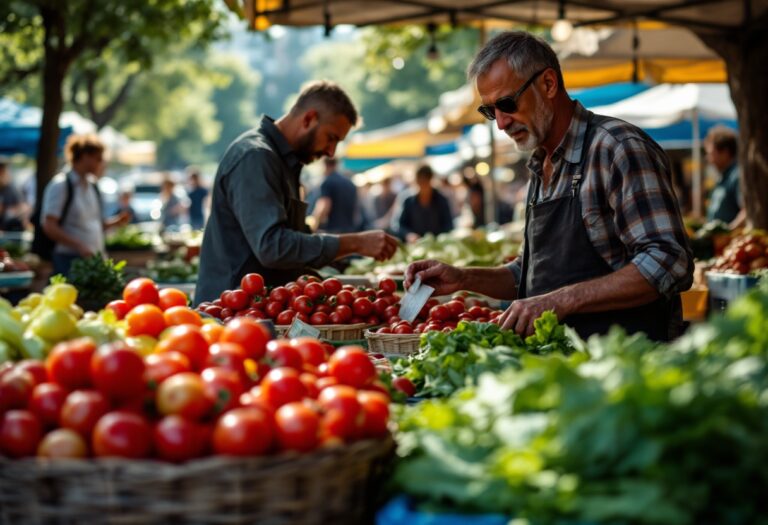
(308, 298)
(744, 254)
(435, 316)
(203, 389)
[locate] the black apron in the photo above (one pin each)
(558, 252)
(296, 211)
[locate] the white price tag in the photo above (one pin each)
(414, 300)
(301, 329)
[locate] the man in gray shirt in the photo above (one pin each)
(257, 220)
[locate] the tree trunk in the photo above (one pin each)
(746, 57)
(53, 104)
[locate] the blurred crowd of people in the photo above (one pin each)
(429, 204)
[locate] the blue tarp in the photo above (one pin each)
(608, 94)
(20, 129)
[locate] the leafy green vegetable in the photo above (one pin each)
(641, 433)
(449, 361)
(175, 270)
(129, 237)
(98, 281)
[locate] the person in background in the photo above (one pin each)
(383, 203)
(80, 232)
(198, 199)
(174, 209)
(337, 208)
(604, 241)
(13, 209)
(476, 201)
(424, 210)
(124, 204)
(258, 220)
(725, 203)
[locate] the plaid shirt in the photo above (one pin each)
(628, 205)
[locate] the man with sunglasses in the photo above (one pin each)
(604, 239)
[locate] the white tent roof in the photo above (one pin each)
(668, 104)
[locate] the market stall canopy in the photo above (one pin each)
(20, 128)
(649, 52)
(667, 112)
(714, 14)
(407, 140)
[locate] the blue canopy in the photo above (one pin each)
(608, 94)
(20, 129)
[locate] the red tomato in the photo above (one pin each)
(248, 333)
(455, 308)
(311, 350)
(335, 318)
(35, 367)
(362, 307)
(325, 381)
(141, 291)
(391, 311)
(324, 308)
(62, 443)
(306, 279)
(170, 297)
(380, 306)
(187, 340)
(356, 319)
(344, 311)
(405, 385)
(310, 384)
(178, 439)
(303, 304)
(297, 427)
(252, 284)
(403, 329)
(46, 402)
(273, 309)
(81, 410)
(281, 386)
(20, 433)
(352, 366)
(319, 318)
(244, 431)
(466, 317)
(286, 317)
(223, 388)
(69, 363)
(280, 353)
(332, 286)
(214, 311)
(145, 319)
(475, 312)
(384, 330)
(16, 388)
(439, 313)
(345, 298)
(122, 434)
(378, 386)
(375, 409)
(118, 372)
(120, 308)
(212, 332)
(227, 355)
(159, 367)
(314, 291)
(183, 394)
(341, 399)
(388, 285)
(236, 300)
(294, 289)
(304, 318)
(280, 295)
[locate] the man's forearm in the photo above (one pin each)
(494, 282)
(625, 288)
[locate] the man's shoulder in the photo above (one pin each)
(57, 182)
(251, 145)
(620, 136)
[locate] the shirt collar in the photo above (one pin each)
(572, 146)
(271, 131)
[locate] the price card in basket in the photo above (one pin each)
(414, 300)
(301, 329)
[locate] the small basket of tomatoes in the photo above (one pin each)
(392, 343)
(205, 423)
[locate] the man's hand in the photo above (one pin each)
(444, 278)
(523, 312)
(377, 244)
(412, 237)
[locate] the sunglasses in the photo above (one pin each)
(507, 104)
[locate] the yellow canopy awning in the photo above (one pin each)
(409, 139)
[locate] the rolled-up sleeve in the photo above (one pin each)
(516, 267)
(647, 217)
(257, 203)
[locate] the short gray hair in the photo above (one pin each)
(525, 54)
(328, 99)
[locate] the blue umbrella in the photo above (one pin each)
(20, 129)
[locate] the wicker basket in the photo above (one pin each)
(332, 332)
(338, 485)
(404, 344)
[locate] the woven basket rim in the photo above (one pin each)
(45, 466)
(330, 326)
(392, 337)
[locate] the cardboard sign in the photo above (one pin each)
(414, 300)
(301, 329)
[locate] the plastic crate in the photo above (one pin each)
(725, 287)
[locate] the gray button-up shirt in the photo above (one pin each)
(257, 217)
